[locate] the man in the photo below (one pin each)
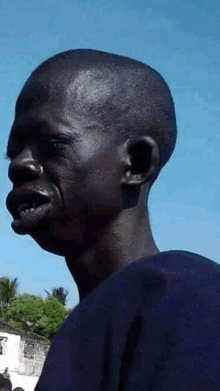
(5, 383)
(6, 373)
(92, 132)
(8, 383)
(2, 382)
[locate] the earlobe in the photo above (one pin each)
(143, 157)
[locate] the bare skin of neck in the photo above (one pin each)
(126, 240)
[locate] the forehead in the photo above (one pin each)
(77, 90)
(43, 110)
(38, 91)
(66, 99)
(94, 83)
(35, 112)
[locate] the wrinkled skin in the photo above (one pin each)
(77, 175)
(77, 190)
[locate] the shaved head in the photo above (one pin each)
(113, 92)
(92, 130)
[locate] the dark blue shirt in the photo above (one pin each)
(153, 326)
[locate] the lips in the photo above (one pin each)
(27, 208)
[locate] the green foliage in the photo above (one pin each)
(26, 311)
(8, 290)
(60, 293)
(31, 313)
(54, 315)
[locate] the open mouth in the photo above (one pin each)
(27, 209)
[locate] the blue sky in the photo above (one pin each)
(180, 39)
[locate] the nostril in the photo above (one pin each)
(21, 172)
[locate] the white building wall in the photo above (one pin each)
(23, 372)
(28, 383)
(10, 359)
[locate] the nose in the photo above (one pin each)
(24, 168)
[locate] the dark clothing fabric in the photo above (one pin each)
(5, 383)
(2, 380)
(8, 383)
(153, 326)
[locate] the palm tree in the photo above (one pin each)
(8, 291)
(60, 293)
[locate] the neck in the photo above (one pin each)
(127, 240)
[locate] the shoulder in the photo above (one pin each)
(159, 274)
(166, 268)
(183, 271)
(169, 279)
(176, 264)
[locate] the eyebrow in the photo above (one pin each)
(56, 136)
(65, 138)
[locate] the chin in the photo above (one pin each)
(47, 243)
(56, 245)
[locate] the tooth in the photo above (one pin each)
(25, 212)
(24, 209)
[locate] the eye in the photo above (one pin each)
(51, 148)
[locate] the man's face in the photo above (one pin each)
(66, 177)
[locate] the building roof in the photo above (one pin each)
(26, 335)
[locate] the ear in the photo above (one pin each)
(142, 158)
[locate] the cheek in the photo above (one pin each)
(102, 185)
